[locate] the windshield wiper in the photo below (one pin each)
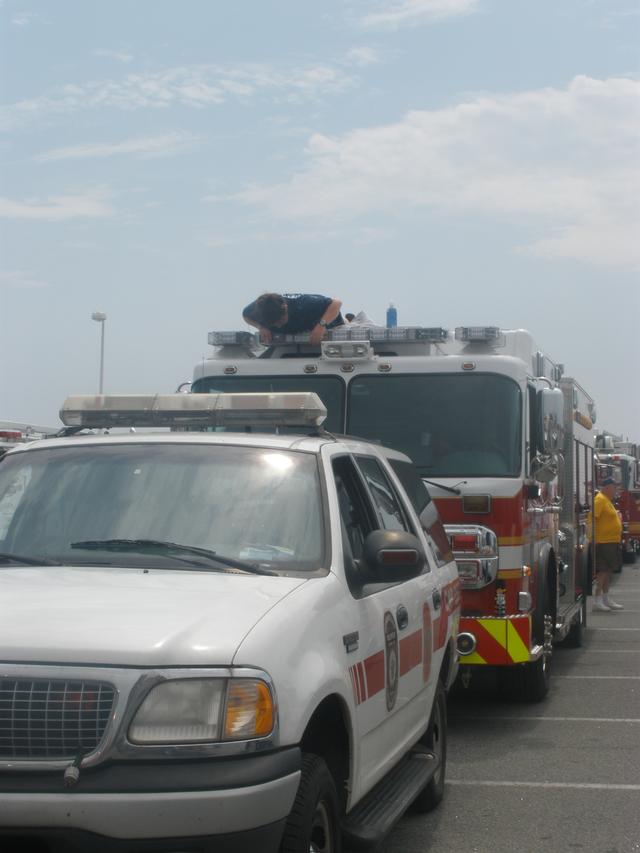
(27, 561)
(453, 489)
(166, 547)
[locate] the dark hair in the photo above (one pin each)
(349, 317)
(269, 308)
(608, 481)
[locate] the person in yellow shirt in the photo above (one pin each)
(608, 535)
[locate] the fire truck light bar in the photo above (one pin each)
(221, 339)
(434, 334)
(410, 333)
(477, 334)
(381, 333)
(303, 409)
(349, 333)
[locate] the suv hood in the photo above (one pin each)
(131, 617)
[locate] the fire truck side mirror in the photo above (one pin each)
(544, 469)
(550, 420)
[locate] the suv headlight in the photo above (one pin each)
(197, 710)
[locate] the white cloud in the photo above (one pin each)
(361, 56)
(25, 19)
(218, 241)
(564, 158)
(414, 12)
(58, 208)
(118, 55)
(595, 240)
(21, 279)
(192, 86)
(143, 146)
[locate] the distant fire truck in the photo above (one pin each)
(504, 442)
(621, 460)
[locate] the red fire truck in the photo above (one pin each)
(504, 443)
(621, 460)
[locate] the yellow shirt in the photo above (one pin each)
(608, 524)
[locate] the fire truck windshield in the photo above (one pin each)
(330, 389)
(450, 425)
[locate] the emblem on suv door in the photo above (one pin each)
(391, 659)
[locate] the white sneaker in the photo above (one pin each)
(613, 605)
(600, 605)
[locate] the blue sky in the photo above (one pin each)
(475, 161)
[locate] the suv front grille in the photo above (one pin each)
(52, 719)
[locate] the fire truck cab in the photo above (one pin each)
(621, 460)
(503, 442)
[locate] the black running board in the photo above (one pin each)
(372, 818)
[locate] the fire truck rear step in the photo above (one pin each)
(375, 815)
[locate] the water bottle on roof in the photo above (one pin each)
(392, 316)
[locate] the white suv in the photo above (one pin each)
(218, 641)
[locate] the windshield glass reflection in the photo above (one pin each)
(253, 504)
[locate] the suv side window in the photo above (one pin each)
(412, 484)
(390, 513)
(355, 512)
(425, 510)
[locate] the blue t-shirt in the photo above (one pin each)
(304, 311)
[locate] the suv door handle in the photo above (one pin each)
(402, 616)
(436, 598)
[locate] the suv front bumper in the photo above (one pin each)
(225, 802)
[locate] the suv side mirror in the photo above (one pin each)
(390, 556)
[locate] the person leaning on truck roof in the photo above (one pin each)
(293, 313)
(608, 535)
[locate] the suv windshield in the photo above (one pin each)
(451, 426)
(125, 502)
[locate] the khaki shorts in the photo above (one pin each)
(607, 556)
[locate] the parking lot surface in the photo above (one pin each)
(561, 775)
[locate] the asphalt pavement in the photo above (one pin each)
(560, 775)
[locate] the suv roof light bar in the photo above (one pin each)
(478, 334)
(303, 409)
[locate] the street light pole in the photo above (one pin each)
(99, 317)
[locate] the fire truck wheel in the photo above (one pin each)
(435, 739)
(314, 822)
(533, 679)
(543, 609)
